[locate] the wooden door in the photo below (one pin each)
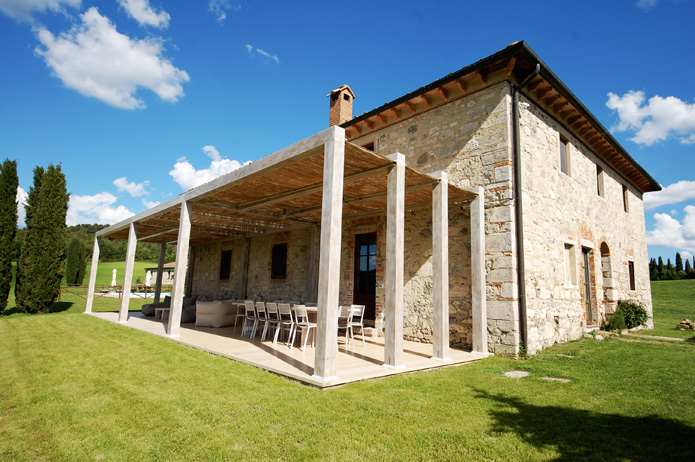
(365, 274)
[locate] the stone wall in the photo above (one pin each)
(564, 209)
(470, 139)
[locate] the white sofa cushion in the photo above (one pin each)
(218, 313)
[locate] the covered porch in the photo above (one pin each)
(316, 183)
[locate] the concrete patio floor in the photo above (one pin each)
(359, 362)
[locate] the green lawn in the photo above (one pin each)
(77, 388)
(673, 301)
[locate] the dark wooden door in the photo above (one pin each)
(365, 274)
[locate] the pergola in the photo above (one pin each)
(318, 181)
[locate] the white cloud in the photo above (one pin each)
(96, 60)
(99, 208)
(259, 51)
(132, 188)
(144, 14)
(187, 176)
(670, 232)
(686, 255)
(150, 204)
(646, 5)
(672, 194)
(655, 119)
(21, 203)
(23, 10)
(220, 8)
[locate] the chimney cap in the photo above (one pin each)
(341, 88)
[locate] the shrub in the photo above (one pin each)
(634, 313)
(616, 322)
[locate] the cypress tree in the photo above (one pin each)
(43, 252)
(660, 267)
(75, 262)
(688, 268)
(653, 274)
(679, 263)
(8, 226)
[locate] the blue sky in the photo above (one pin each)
(121, 91)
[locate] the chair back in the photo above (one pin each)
(271, 309)
(357, 314)
(285, 312)
(300, 314)
(260, 310)
(344, 314)
(249, 309)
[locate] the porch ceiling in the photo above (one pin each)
(283, 195)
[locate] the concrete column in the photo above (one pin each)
(92, 277)
(329, 260)
(393, 275)
(478, 296)
(160, 271)
(128, 276)
(180, 270)
(440, 267)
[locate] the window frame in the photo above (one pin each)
(632, 284)
(278, 251)
(229, 254)
(600, 181)
(626, 199)
(565, 158)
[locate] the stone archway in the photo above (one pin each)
(609, 301)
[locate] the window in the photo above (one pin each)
(599, 181)
(346, 97)
(367, 257)
(564, 155)
(570, 265)
(369, 146)
(225, 265)
(631, 274)
(278, 267)
(626, 205)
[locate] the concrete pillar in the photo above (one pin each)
(92, 277)
(393, 275)
(440, 267)
(180, 270)
(329, 260)
(478, 296)
(128, 276)
(160, 272)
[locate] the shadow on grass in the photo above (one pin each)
(56, 307)
(579, 434)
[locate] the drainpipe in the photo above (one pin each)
(518, 206)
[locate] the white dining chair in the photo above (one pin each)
(249, 323)
(261, 318)
(344, 323)
(286, 322)
(357, 320)
(273, 319)
(302, 322)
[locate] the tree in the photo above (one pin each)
(653, 271)
(75, 266)
(40, 269)
(688, 269)
(679, 263)
(8, 226)
(660, 267)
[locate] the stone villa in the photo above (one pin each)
(488, 210)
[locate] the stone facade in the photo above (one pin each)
(560, 210)
(471, 138)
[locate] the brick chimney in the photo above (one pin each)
(341, 105)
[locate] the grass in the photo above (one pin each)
(77, 388)
(673, 301)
